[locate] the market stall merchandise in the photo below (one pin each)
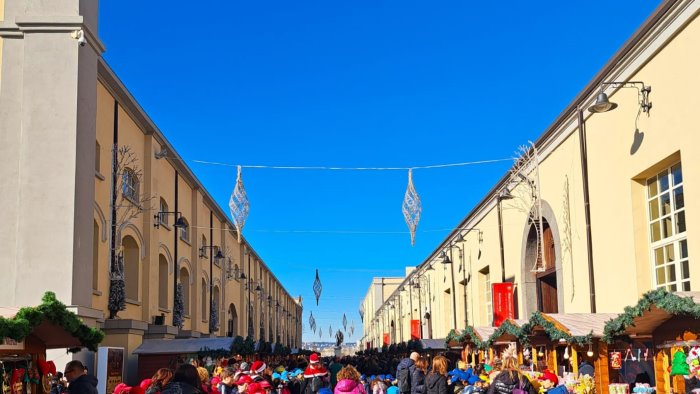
(670, 324)
(25, 335)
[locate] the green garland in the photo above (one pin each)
(22, 324)
(661, 299)
(507, 327)
(554, 333)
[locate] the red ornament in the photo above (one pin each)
(616, 360)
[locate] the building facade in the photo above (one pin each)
(378, 293)
(93, 192)
(599, 210)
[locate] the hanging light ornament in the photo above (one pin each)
(238, 204)
(345, 323)
(320, 334)
(411, 207)
(330, 331)
(317, 287)
(352, 327)
(312, 322)
(362, 312)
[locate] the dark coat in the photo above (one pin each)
(436, 384)
(506, 381)
(418, 382)
(180, 388)
(84, 384)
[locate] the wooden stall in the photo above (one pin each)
(668, 323)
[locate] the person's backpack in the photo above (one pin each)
(404, 380)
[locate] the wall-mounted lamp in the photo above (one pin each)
(446, 258)
(161, 154)
(217, 257)
(179, 221)
(603, 104)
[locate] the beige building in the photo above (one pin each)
(596, 214)
(378, 293)
(67, 217)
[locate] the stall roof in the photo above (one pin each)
(652, 310)
(183, 346)
(484, 332)
(581, 324)
(435, 344)
(52, 323)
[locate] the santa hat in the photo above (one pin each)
(145, 383)
(314, 358)
(548, 375)
(258, 367)
(255, 388)
(244, 379)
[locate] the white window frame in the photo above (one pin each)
(674, 240)
(130, 186)
(162, 213)
(185, 231)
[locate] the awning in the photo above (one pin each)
(435, 344)
(184, 346)
(652, 310)
(581, 324)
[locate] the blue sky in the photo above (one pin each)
(356, 84)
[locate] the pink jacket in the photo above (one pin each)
(347, 386)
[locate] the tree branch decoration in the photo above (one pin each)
(660, 299)
(411, 207)
(317, 287)
(239, 205)
(21, 325)
(179, 310)
(525, 171)
(129, 204)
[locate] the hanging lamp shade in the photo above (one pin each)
(602, 104)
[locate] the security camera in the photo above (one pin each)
(80, 36)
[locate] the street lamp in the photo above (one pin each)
(179, 220)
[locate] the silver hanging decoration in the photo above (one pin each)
(317, 287)
(362, 312)
(312, 322)
(320, 334)
(345, 323)
(411, 207)
(330, 331)
(238, 204)
(352, 327)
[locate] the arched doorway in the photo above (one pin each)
(542, 282)
(232, 329)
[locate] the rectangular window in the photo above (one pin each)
(97, 157)
(162, 213)
(667, 237)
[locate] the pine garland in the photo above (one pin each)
(554, 333)
(509, 328)
(53, 310)
(179, 310)
(661, 299)
(117, 297)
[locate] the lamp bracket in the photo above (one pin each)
(643, 91)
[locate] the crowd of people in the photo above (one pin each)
(375, 374)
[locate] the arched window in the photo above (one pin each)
(162, 216)
(185, 230)
(232, 321)
(132, 267)
(205, 300)
(95, 253)
(185, 281)
(162, 282)
(216, 302)
(130, 185)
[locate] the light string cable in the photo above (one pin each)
(334, 168)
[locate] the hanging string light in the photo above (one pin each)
(317, 287)
(411, 207)
(312, 322)
(239, 205)
(345, 323)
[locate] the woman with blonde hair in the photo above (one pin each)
(349, 382)
(510, 379)
(436, 381)
(159, 380)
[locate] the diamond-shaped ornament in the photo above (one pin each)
(345, 323)
(330, 331)
(312, 322)
(320, 333)
(411, 207)
(317, 287)
(352, 327)
(362, 312)
(238, 204)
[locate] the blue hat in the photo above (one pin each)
(372, 377)
(473, 379)
(382, 377)
(325, 390)
(389, 377)
(363, 377)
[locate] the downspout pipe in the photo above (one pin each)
(113, 197)
(586, 206)
(175, 242)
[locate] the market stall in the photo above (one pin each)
(25, 335)
(170, 353)
(664, 327)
